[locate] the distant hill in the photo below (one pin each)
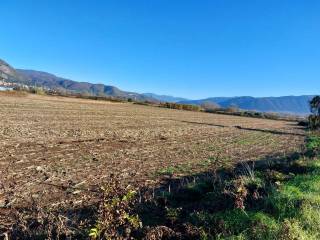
(165, 98)
(50, 81)
(286, 104)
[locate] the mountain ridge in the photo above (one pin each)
(283, 104)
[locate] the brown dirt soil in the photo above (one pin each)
(55, 148)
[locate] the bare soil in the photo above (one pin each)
(55, 148)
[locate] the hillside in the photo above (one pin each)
(50, 81)
(9, 74)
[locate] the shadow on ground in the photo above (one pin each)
(243, 128)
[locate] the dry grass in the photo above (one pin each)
(53, 149)
(10, 93)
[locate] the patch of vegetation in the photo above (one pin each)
(287, 209)
(14, 93)
(172, 170)
(178, 106)
(167, 171)
(313, 144)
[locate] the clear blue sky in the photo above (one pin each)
(188, 48)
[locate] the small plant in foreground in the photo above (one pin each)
(116, 219)
(167, 171)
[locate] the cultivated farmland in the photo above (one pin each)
(54, 149)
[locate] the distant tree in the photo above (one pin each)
(233, 108)
(101, 94)
(210, 106)
(85, 93)
(314, 118)
(315, 105)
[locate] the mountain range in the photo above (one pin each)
(286, 104)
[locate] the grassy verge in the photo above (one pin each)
(290, 209)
